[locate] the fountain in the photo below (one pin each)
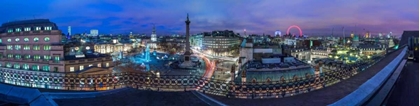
(147, 54)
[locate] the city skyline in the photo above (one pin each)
(256, 17)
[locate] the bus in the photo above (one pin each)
(413, 48)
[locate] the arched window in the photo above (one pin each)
(26, 39)
(36, 39)
(46, 39)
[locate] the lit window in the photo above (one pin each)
(36, 47)
(37, 28)
(9, 47)
(48, 28)
(9, 56)
(81, 67)
(46, 68)
(17, 39)
(90, 65)
(46, 57)
(0, 41)
(28, 56)
(18, 56)
(17, 47)
(36, 39)
(47, 47)
(18, 30)
(71, 69)
(99, 65)
(9, 30)
(8, 65)
(107, 65)
(9, 40)
(16, 66)
(35, 67)
(26, 47)
(27, 29)
(25, 66)
(56, 59)
(46, 39)
(26, 39)
(37, 57)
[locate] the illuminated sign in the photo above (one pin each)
(80, 56)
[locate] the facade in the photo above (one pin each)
(94, 32)
(265, 63)
(34, 45)
(220, 43)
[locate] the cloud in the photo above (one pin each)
(265, 16)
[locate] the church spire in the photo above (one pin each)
(154, 29)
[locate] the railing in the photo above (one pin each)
(275, 89)
(367, 89)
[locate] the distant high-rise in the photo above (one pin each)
(69, 30)
(94, 32)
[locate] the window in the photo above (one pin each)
(17, 47)
(18, 30)
(17, 39)
(25, 66)
(18, 56)
(16, 66)
(28, 56)
(28, 29)
(48, 28)
(99, 65)
(35, 67)
(0, 41)
(9, 56)
(47, 47)
(9, 40)
(37, 28)
(46, 68)
(8, 65)
(26, 39)
(107, 65)
(36, 47)
(37, 57)
(55, 69)
(9, 47)
(46, 57)
(46, 39)
(26, 47)
(90, 65)
(71, 69)
(81, 67)
(36, 39)
(9, 30)
(56, 59)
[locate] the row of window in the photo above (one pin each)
(28, 29)
(34, 57)
(27, 67)
(36, 39)
(28, 47)
(90, 65)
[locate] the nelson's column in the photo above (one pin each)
(187, 59)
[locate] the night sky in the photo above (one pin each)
(314, 17)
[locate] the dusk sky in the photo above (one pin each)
(256, 16)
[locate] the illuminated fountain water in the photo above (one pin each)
(147, 54)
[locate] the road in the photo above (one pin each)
(218, 57)
(406, 90)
